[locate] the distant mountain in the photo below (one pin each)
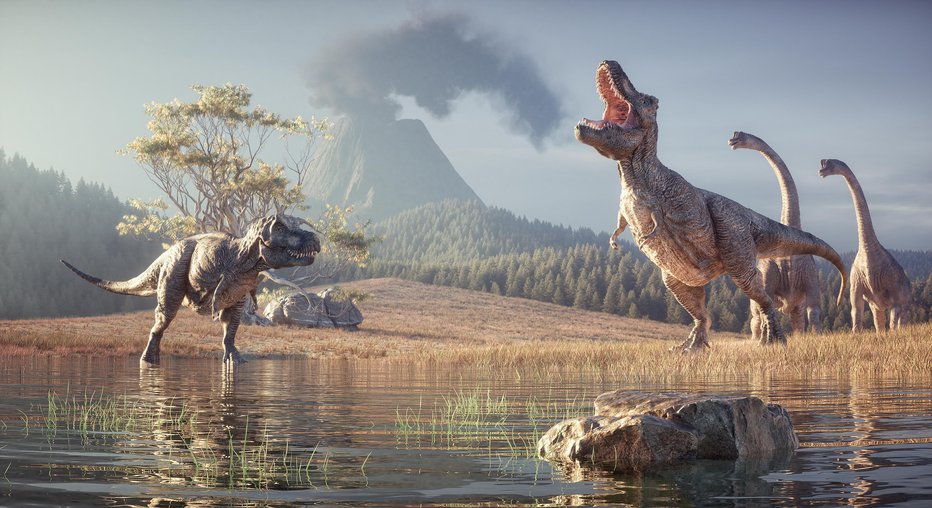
(383, 169)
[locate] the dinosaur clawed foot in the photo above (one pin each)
(232, 357)
(772, 333)
(149, 359)
(697, 342)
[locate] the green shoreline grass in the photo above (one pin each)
(411, 322)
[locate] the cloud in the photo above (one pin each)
(434, 59)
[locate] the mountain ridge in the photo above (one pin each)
(382, 169)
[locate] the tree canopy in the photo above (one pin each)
(210, 158)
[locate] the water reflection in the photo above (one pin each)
(868, 440)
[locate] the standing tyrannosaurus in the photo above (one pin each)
(692, 234)
(213, 273)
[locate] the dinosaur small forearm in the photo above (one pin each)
(653, 218)
(622, 224)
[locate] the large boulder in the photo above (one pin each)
(632, 443)
(314, 310)
(728, 427)
(632, 431)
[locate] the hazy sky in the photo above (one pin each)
(849, 80)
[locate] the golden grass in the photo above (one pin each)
(408, 321)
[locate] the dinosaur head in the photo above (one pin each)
(833, 167)
(283, 243)
(744, 140)
(629, 119)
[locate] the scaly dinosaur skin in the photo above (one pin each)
(793, 283)
(692, 234)
(875, 276)
(214, 273)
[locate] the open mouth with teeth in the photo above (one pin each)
(301, 254)
(618, 111)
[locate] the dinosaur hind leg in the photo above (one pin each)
(172, 284)
(750, 282)
(857, 308)
(693, 300)
(880, 317)
(814, 316)
(896, 317)
(230, 318)
(798, 319)
(165, 312)
(757, 321)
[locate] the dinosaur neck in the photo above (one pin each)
(248, 248)
(789, 214)
(634, 171)
(867, 239)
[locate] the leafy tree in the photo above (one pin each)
(209, 159)
(206, 157)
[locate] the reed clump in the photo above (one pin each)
(190, 449)
(477, 420)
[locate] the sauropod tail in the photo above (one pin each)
(784, 241)
(144, 284)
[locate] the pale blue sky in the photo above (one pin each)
(850, 80)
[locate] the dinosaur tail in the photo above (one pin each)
(784, 241)
(144, 284)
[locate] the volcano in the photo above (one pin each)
(382, 169)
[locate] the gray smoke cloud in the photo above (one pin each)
(434, 60)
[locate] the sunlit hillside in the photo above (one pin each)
(411, 321)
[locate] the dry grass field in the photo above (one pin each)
(408, 321)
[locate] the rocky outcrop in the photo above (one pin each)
(314, 311)
(633, 431)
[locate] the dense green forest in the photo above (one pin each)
(457, 231)
(575, 268)
(43, 217)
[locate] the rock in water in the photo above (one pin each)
(728, 427)
(618, 444)
(632, 431)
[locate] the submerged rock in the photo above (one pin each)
(618, 444)
(314, 310)
(728, 427)
(635, 430)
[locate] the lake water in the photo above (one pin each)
(296, 432)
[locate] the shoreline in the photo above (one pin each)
(412, 322)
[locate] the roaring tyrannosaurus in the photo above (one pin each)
(875, 275)
(692, 234)
(213, 273)
(793, 282)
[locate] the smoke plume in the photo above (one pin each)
(433, 60)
